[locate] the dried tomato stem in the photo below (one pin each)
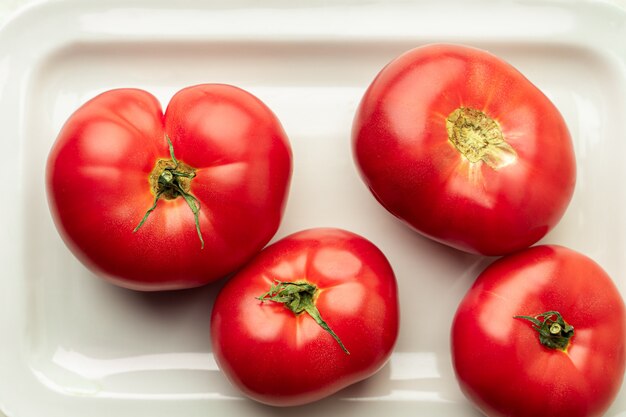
(478, 137)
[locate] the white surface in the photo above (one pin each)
(75, 346)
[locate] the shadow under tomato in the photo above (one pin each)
(173, 303)
(377, 395)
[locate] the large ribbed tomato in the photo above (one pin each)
(157, 201)
(463, 148)
(541, 333)
(311, 314)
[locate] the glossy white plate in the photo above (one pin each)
(75, 346)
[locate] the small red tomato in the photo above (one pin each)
(155, 201)
(464, 149)
(541, 333)
(311, 314)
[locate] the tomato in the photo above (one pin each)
(311, 314)
(464, 149)
(541, 333)
(155, 201)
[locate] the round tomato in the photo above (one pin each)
(155, 201)
(464, 149)
(311, 314)
(541, 333)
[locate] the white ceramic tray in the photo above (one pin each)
(75, 346)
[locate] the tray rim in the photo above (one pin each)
(18, 78)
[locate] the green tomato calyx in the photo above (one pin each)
(171, 179)
(299, 297)
(554, 332)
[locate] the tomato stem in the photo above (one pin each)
(478, 137)
(169, 185)
(299, 297)
(554, 332)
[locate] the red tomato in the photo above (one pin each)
(221, 187)
(264, 334)
(513, 355)
(464, 149)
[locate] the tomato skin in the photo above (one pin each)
(500, 364)
(98, 188)
(402, 150)
(281, 359)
